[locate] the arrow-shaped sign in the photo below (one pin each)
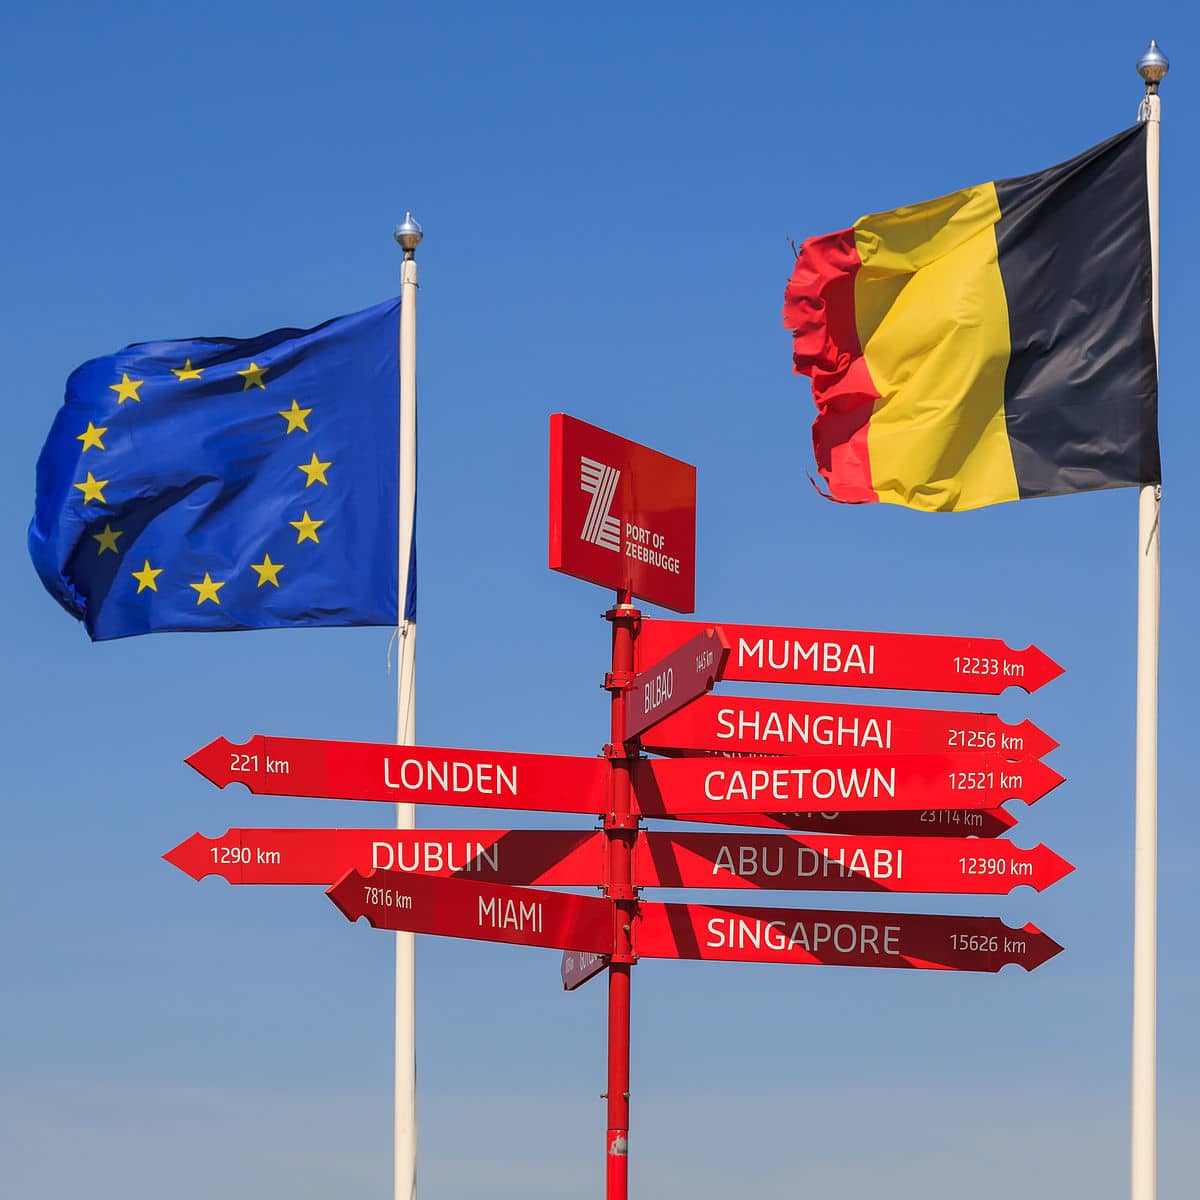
(674, 681)
(489, 912)
(818, 862)
(273, 766)
(852, 658)
(867, 782)
(578, 966)
(930, 822)
(750, 725)
(551, 857)
(849, 939)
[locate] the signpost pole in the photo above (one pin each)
(620, 829)
(1152, 66)
(408, 235)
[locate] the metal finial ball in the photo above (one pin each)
(408, 233)
(1152, 66)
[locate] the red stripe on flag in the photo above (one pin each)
(818, 307)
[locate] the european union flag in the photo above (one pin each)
(221, 483)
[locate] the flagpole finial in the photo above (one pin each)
(1152, 66)
(408, 233)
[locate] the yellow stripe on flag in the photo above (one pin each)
(933, 323)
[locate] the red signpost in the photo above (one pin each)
(554, 858)
(846, 939)
(571, 858)
(869, 782)
(667, 686)
(897, 782)
(679, 787)
(578, 966)
(850, 658)
(275, 766)
(933, 822)
(489, 912)
(622, 515)
(750, 725)
(834, 863)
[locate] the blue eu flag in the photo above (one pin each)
(219, 483)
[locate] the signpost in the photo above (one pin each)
(933, 822)
(622, 515)
(576, 858)
(870, 782)
(547, 857)
(749, 725)
(275, 766)
(843, 939)
(833, 863)
(830, 797)
(578, 966)
(490, 912)
(850, 658)
(667, 686)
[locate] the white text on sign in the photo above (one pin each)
(805, 730)
(800, 783)
(790, 654)
(753, 860)
(647, 546)
(425, 775)
(497, 913)
(745, 933)
(431, 858)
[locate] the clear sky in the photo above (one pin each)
(608, 195)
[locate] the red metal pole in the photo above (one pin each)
(620, 828)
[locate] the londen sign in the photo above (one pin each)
(622, 515)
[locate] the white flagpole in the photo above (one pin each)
(1152, 66)
(408, 234)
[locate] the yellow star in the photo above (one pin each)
(253, 376)
(268, 572)
(146, 577)
(306, 530)
(126, 389)
(91, 437)
(295, 416)
(186, 372)
(92, 489)
(208, 589)
(107, 538)
(315, 470)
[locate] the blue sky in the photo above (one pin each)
(608, 197)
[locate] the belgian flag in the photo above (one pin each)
(994, 344)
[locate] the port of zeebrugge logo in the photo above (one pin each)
(600, 527)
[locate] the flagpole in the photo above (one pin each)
(408, 235)
(1152, 66)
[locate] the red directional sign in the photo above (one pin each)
(666, 686)
(817, 862)
(849, 658)
(578, 966)
(867, 782)
(750, 725)
(489, 912)
(271, 766)
(622, 515)
(930, 822)
(575, 858)
(550, 857)
(850, 939)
